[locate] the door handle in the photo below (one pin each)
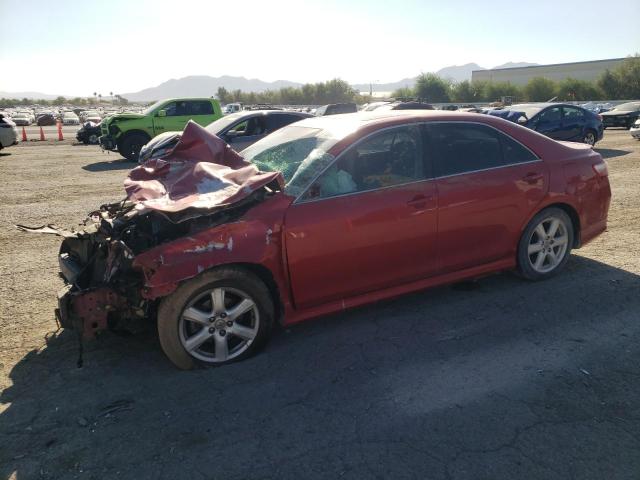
(532, 177)
(420, 201)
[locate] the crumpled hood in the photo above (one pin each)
(198, 171)
(613, 113)
(125, 115)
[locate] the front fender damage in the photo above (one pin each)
(115, 265)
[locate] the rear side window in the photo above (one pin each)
(199, 108)
(464, 147)
(572, 114)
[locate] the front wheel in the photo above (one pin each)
(129, 147)
(545, 244)
(220, 317)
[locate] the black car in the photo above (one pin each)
(89, 133)
(239, 130)
(623, 115)
(46, 119)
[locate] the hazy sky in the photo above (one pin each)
(78, 47)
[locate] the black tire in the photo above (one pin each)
(172, 327)
(93, 139)
(590, 137)
(531, 238)
(129, 146)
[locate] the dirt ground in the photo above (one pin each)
(505, 380)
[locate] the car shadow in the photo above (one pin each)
(119, 164)
(5, 154)
(433, 381)
(611, 152)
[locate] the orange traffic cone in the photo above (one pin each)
(60, 137)
(24, 135)
(41, 135)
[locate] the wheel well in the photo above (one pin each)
(132, 132)
(575, 221)
(266, 276)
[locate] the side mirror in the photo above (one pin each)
(162, 113)
(522, 120)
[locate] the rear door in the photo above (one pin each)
(367, 223)
(487, 186)
(573, 123)
(200, 111)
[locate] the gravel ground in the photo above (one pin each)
(502, 380)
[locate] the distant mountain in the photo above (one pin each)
(514, 65)
(205, 86)
(455, 73)
(459, 73)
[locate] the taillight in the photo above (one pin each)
(601, 169)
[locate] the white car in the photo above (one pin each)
(8, 132)
(635, 130)
(91, 116)
(70, 118)
(21, 119)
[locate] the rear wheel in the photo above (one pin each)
(129, 147)
(590, 138)
(545, 245)
(220, 317)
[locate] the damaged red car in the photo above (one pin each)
(323, 215)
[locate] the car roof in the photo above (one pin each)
(362, 119)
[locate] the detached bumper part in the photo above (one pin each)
(107, 142)
(87, 311)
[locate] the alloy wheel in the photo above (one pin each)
(548, 245)
(219, 324)
(590, 138)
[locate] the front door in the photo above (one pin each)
(549, 123)
(174, 118)
(487, 185)
(368, 222)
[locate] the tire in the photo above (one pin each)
(590, 138)
(539, 242)
(129, 146)
(93, 139)
(215, 326)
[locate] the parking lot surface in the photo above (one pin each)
(501, 379)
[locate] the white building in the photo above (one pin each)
(589, 71)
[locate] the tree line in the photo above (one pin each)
(58, 101)
(620, 83)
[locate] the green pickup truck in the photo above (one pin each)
(128, 132)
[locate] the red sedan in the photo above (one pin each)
(372, 206)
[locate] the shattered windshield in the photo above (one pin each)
(528, 110)
(299, 153)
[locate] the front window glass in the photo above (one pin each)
(389, 158)
(551, 115)
(300, 153)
